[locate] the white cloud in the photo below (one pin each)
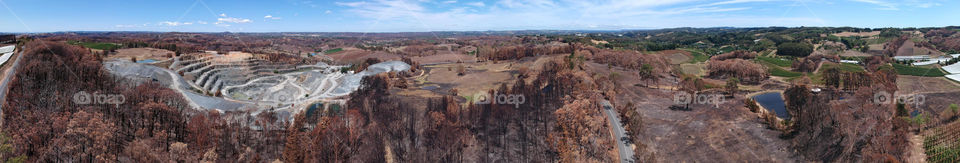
(527, 3)
(327, 12)
(307, 3)
(232, 20)
(272, 17)
(926, 5)
(173, 24)
(883, 4)
(351, 4)
(449, 2)
(921, 3)
(201, 22)
(734, 2)
(226, 19)
(477, 4)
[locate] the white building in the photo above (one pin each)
(850, 61)
(954, 77)
(932, 61)
(914, 57)
(7, 49)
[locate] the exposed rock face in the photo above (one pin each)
(248, 82)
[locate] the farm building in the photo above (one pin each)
(954, 77)
(913, 58)
(933, 61)
(5, 53)
(953, 69)
(850, 61)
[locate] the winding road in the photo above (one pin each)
(626, 153)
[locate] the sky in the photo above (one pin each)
(461, 15)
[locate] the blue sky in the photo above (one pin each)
(461, 15)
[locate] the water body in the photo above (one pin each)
(313, 107)
(773, 101)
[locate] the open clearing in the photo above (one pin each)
(919, 84)
(444, 58)
(677, 56)
(351, 55)
(694, 68)
(698, 55)
(141, 54)
(95, 45)
(479, 77)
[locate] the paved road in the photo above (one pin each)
(626, 153)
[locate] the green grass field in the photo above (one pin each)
(727, 49)
(917, 71)
(845, 67)
(698, 55)
(775, 61)
(331, 51)
(817, 77)
(777, 71)
(95, 45)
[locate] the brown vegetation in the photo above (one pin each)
(153, 124)
(744, 70)
(890, 49)
(741, 54)
(847, 130)
(629, 59)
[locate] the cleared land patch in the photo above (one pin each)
(917, 84)
(693, 68)
(677, 57)
(141, 54)
(95, 45)
(698, 56)
(775, 61)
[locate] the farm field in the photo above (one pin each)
(918, 71)
(775, 61)
(95, 45)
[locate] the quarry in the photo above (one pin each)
(240, 81)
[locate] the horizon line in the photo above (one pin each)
(518, 30)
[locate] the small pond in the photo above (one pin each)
(773, 101)
(313, 107)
